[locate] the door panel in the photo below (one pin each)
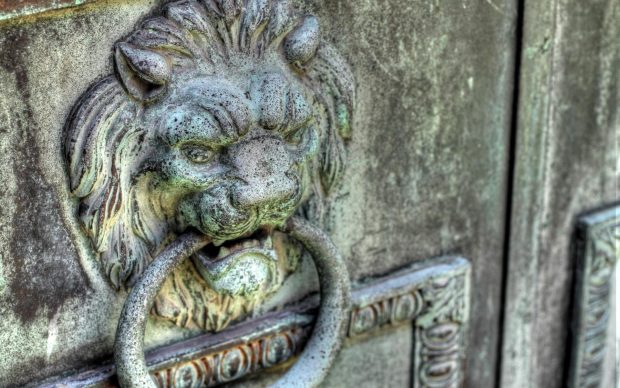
(427, 169)
(566, 164)
(427, 174)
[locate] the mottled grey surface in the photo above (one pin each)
(54, 315)
(327, 334)
(597, 250)
(427, 165)
(426, 174)
(376, 361)
(567, 162)
(379, 361)
(231, 138)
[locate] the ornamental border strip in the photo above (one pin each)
(597, 252)
(434, 294)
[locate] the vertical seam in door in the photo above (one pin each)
(512, 144)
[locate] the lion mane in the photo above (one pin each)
(105, 133)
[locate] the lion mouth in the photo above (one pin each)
(242, 267)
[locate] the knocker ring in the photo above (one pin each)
(320, 350)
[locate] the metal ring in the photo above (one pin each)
(320, 350)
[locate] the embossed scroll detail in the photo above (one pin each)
(234, 362)
(436, 298)
(598, 252)
(226, 117)
(434, 295)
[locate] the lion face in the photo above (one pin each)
(222, 120)
(227, 164)
(229, 159)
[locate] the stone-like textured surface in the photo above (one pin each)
(54, 316)
(18, 8)
(597, 251)
(378, 361)
(427, 165)
(426, 174)
(433, 293)
(567, 160)
(368, 362)
(219, 132)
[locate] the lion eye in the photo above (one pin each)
(198, 154)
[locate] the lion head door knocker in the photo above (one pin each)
(226, 118)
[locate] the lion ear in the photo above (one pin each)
(302, 43)
(144, 73)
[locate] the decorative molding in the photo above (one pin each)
(223, 116)
(598, 250)
(433, 294)
(436, 299)
(277, 343)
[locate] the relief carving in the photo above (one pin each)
(440, 333)
(433, 295)
(226, 117)
(436, 299)
(598, 251)
(235, 362)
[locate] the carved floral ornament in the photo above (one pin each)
(225, 117)
(431, 295)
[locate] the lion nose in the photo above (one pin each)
(266, 182)
(267, 196)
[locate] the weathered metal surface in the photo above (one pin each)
(437, 299)
(566, 162)
(333, 317)
(226, 118)
(10, 9)
(428, 161)
(212, 359)
(425, 176)
(434, 294)
(597, 252)
(129, 359)
(327, 333)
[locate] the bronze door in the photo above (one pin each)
(301, 193)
